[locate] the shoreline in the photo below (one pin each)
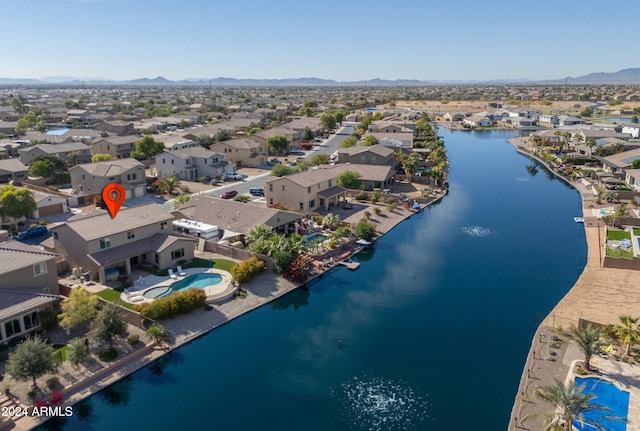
(187, 328)
(599, 294)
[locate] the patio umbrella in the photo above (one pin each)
(210, 263)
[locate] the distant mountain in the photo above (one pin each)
(626, 76)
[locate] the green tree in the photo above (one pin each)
(365, 230)
(328, 121)
(321, 159)
(332, 221)
(108, 324)
(634, 119)
(260, 233)
(147, 147)
(307, 134)
(282, 170)
(78, 307)
(592, 143)
(302, 165)
(16, 202)
(157, 334)
(586, 112)
(278, 144)
(169, 185)
(180, 200)
(627, 332)
(31, 359)
(573, 403)
(349, 142)
(588, 340)
(222, 135)
(77, 351)
(350, 180)
(100, 158)
(339, 116)
(370, 141)
(205, 140)
(42, 168)
(535, 140)
(20, 104)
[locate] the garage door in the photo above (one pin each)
(139, 191)
(50, 210)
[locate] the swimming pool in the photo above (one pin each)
(199, 281)
(314, 237)
(608, 395)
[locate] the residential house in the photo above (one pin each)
(175, 142)
(8, 127)
(395, 140)
(632, 129)
(75, 152)
(117, 127)
(90, 179)
(234, 218)
(318, 188)
(191, 163)
(28, 285)
(522, 122)
(632, 177)
(77, 115)
(137, 236)
(242, 152)
(372, 155)
(475, 121)
(454, 116)
(390, 127)
(568, 120)
(619, 163)
(118, 147)
(12, 170)
(48, 204)
(291, 136)
(548, 120)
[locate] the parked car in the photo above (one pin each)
(33, 232)
(256, 191)
(232, 176)
(228, 195)
(273, 162)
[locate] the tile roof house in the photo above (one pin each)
(89, 179)
(242, 152)
(118, 147)
(318, 188)
(75, 152)
(620, 162)
(117, 127)
(12, 170)
(138, 235)
(372, 155)
(393, 140)
(48, 204)
(28, 284)
(191, 163)
(236, 217)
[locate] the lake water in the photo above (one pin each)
(431, 333)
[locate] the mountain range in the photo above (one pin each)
(625, 76)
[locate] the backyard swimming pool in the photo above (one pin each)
(608, 395)
(199, 281)
(314, 237)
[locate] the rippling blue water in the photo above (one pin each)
(431, 332)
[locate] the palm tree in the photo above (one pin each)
(573, 403)
(535, 140)
(627, 332)
(620, 212)
(169, 185)
(578, 138)
(588, 341)
(557, 134)
(260, 233)
(566, 136)
(590, 143)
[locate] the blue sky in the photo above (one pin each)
(330, 39)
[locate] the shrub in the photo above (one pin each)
(247, 269)
(241, 293)
(108, 355)
(331, 244)
(377, 210)
(391, 206)
(178, 303)
(241, 198)
(365, 230)
(6, 389)
(32, 394)
(361, 196)
(133, 339)
(53, 383)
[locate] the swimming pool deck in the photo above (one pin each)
(215, 293)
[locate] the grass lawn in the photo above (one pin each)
(222, 264)
(636, 231)
(114, 296)
(612, 252)
(618, 235)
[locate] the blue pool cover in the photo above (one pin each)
(607, 395)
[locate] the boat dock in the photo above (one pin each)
(349, 264)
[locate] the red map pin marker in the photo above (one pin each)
(113, 196)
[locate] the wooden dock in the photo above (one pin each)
(349, 264)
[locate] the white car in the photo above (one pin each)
(232, 176)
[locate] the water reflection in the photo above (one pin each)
(118, 394)
(296, 299)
